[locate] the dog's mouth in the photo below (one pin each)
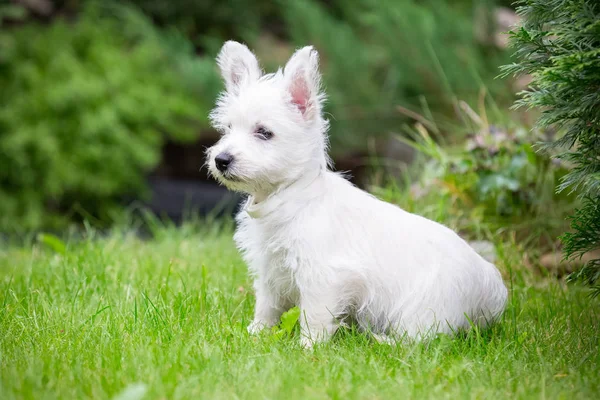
(224, 177)
(229, 177)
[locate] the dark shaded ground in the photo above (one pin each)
(176, 198)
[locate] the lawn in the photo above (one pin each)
(116, 316)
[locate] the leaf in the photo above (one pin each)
(53, 242)
(289, 319)
(287, 324)
(493, 183)
(522, 337)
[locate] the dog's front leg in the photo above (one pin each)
(268, 307)
(318, 317)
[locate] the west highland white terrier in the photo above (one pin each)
(312, 239)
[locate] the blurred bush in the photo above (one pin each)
(378, 54)
(375, 54)
(86, 106)
(89, 96)
(493, 175)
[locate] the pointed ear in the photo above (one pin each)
(302, 81)
(238, 66)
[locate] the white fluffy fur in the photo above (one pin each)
(312, 239)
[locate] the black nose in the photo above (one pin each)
(222, 161)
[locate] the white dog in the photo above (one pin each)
(312, 239)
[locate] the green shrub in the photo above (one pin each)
(85, 108)
(559, 46)
(492, 177)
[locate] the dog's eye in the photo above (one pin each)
(264, 133)
(228, 126)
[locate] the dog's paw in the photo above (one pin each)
(384, 339)
(306, 343)
(256, 327)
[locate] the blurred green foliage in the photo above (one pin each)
(375, 54)
(89, 96)
(86, 107)
(378, 54)
(497, 170)
(493, 173)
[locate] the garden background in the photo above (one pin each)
(118, 275)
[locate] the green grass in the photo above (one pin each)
(104, 314)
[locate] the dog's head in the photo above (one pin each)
(271, 125)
